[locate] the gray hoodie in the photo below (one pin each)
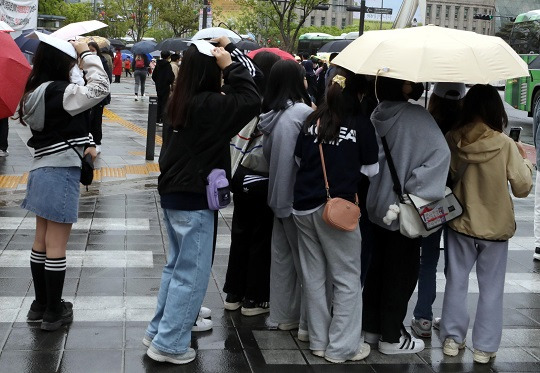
(420, 153)
(281, 129)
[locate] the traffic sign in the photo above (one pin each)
(378, 10)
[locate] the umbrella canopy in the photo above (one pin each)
(432, 54)
(117, 43)
(28, 45)
(155, 54)
(173, 44)
(75, 29)
(334, 46)
(126, 53)
(247, 45)
(284, 55)
(100, 40)
(14, 72)
(143, 47)
(216, 32)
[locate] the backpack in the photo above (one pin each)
(139, 64)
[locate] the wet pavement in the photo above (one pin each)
(115, 255)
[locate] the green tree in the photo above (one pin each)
(127, 15)
(181, 16)
(505, 31)
(285, 16)
(51, 7)
(77, 12)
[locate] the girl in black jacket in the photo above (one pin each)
(203, 120)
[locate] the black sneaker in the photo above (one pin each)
(35, 314)
(53, 321)
(536, 255)
(253, 308)
(232, 302)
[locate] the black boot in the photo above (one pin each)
(58, 311)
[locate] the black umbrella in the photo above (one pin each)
(117, 43)
(27, 45)
(247, 45)
(143, 47)
(173, 44)
(334, 46)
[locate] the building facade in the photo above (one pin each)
(459, 15)
(336, 15)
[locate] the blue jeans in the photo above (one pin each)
(427, 276)
(184, 279)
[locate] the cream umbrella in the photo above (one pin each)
(100, 40)
(72, 30)
(432, 54)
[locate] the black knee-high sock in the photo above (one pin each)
(55, 272)
(37, 266)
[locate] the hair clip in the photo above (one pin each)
(339, 79)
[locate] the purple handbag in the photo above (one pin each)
(218, 192)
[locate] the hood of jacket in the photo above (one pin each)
(386, 114)
(34, 108)
(268, 121)
(475, 143)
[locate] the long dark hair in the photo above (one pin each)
(95, 45)
(483, 102)
(389, 89)
(264, 61)
(446, 112)
(50, 64)
(198, 73)
(285, 83)
(340, 103)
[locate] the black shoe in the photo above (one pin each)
(35, 314)
(232, 302)
(536, 255)
(253, 308)
(53, 321)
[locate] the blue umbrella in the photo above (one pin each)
(143, 47)
(27, 45)
(126, 53)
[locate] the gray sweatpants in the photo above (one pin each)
(331, 270)
(490, 258)
(286, 295)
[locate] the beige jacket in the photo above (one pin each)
(493, 160)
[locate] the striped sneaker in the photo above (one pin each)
(407, 345)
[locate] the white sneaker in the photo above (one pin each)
(483, 357)
(318, 353)
(451, 347)
(205, 313)
(143, 96)
(303, 335)
(4, 153)
(202, 325)
(371, 337)
(98, 149)
(437, 323)
(407, 345)
(147, 341)
(159, 124)
(188, 356)
(288, 326)
(136, 98)
(364, 351)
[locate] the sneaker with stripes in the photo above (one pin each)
(407, 345)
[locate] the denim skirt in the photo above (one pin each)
(53, 193)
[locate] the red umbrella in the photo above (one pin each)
(281, 53)
(14, 71)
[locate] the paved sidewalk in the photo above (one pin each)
(115, 256)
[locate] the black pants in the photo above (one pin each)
(117, 78)
(161, 103)
(248, 272)
(390, 282)
(4, 130)
(96, 123)
(128, 72)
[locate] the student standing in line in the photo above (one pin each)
(140, 65)
(117, 66)
(202, 122)
(55, 109)
(488, 160)
(330, 258)
(163, 77)
(284, 114)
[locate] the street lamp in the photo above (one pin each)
(362, 10)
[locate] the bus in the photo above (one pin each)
(524, 93)
(311, 42)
